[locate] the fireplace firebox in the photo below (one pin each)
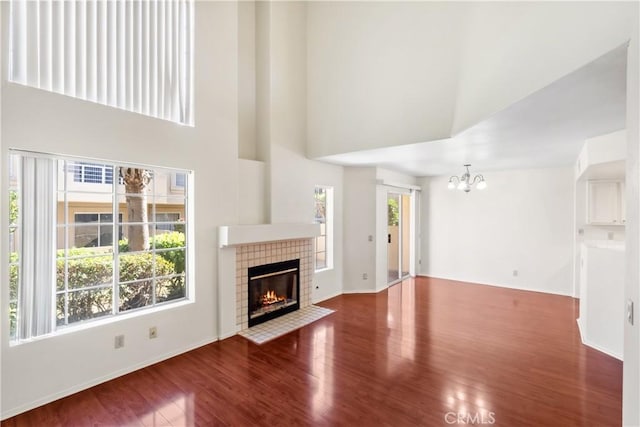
(274, 290)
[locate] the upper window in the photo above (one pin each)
(91, 173)
(133, 55)
(65, 265)
(324, 216)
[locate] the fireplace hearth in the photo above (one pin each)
(273, 290)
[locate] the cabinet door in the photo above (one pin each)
(603, 202)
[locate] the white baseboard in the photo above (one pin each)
(79, 387)
(601, 349)
(326, 297)
(498, 285)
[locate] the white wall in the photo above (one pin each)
(359, 224)
(293, 177)
(631, 373)
(247, 146)
(512, 49)
(40, 371)
(522, 221)
(380, 73)
(365, 207)
(251, 189)
(393, 73)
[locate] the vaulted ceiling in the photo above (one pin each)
(545, 129)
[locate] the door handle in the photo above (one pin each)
(388, 238)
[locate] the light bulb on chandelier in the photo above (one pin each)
(464, 182)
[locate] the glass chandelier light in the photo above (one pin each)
(465, 182)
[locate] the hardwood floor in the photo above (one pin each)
(422, 353)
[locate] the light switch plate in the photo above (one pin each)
(630, 311)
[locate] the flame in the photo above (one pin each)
(271, 298)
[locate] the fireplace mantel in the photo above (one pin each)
(235, 235)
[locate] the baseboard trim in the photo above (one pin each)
(599, 348)
(498, 285)
(113, 375)
(602, 349)
(331, 295)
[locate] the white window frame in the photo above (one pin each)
(135, 56)
(328, 236)
(64, 222)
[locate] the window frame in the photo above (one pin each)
(62, 225)
(328, 228)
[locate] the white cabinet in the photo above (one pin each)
(601, 298)
(606, 202)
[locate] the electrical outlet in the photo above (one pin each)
(119, 341)
(365, 276)
(515, 273)
(153, 332)
(370, 238)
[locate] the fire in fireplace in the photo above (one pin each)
(273, 290)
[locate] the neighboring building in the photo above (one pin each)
(88, 204)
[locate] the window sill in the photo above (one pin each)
(90, 324)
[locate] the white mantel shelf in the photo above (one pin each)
(234, 235)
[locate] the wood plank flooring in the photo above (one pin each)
(425, 352)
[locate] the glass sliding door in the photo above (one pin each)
(398, 236)
(405, 230)
(393, 237)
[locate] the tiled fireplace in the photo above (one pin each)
(264, 254)
(245, 247)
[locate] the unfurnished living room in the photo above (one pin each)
(320, 213)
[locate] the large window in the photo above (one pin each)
(65, 265)
(324, 216)
(133, 55)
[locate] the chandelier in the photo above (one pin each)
(465, 182)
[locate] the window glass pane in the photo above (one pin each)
(181, 179)
(13, 281)
(170, 220)
(84, 236)
(170, 288)
(170, 262)
(136, 295)
(321, 260)
(13, 317)
(86, 272)
(86, 304)
(136, 266)
(323, 216)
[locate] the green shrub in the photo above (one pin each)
(174, 239)
(139, 266)
(95, 267)
(96, 270)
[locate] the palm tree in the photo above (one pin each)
(136, 181)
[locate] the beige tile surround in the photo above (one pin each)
(266, 253)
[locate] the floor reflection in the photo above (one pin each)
(322, 369)
(176, 412)
(401, 322)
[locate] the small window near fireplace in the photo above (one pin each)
(273, 290)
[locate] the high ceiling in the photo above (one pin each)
(545, 129)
